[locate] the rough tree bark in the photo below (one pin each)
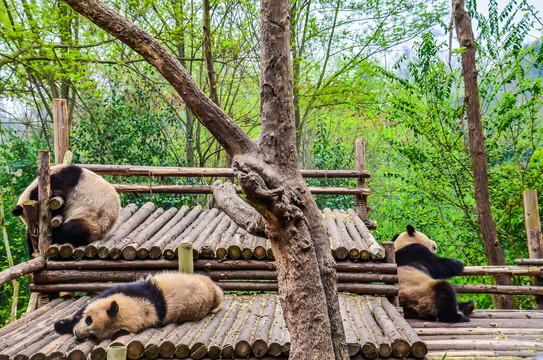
(267, 169)
(494, 251)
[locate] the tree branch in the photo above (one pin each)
(238, 210)
(224, 129)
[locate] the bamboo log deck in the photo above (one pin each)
(245, 326)
(151, 233)
(490, 334)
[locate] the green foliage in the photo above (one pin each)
(329, 153)
(426, 129)
(146, 130)
(18, 161)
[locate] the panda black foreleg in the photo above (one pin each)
(446, 304)
(74, 232)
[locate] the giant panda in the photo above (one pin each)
(91, 205)
(158, 300)
(422, 289)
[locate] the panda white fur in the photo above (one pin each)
(155, 301)
(423, 291)
(91, 205)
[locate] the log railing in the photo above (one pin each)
(529, 271)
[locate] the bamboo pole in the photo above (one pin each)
(533, 231)
(61, 129)
(116, 353)
(44, 193)
(184, 255)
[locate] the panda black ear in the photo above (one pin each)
(17, 210)
(410, 230)
(113, 309)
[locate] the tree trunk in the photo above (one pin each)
(493, 248)
(268, 172)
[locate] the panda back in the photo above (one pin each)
(421, 258)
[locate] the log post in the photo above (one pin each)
(390, 258)
(116, 352)
(533, 232)
(185, 258)
(61, 129)
(361, 201)
(44, 193)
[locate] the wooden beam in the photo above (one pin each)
(132, 170)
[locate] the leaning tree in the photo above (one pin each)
(281, 206)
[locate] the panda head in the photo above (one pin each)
(100, 320)
(410, 236)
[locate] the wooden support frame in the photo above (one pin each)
(61, 129)
(44, 194)
(533, 232)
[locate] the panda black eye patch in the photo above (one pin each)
(88, 320)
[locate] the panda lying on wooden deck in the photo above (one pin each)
(423, 291)
(169, 297)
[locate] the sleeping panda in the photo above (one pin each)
(158, 300)
(91, 205)
(423, 291)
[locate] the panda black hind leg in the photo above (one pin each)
(446, 304)
(74, 232)
(467, 307)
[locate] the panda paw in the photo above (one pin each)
(467, 307)
(465, 319)
(64, 326)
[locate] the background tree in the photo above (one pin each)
(267, 169)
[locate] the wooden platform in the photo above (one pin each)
(490, 334)
(148, 232)
(245, 326)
